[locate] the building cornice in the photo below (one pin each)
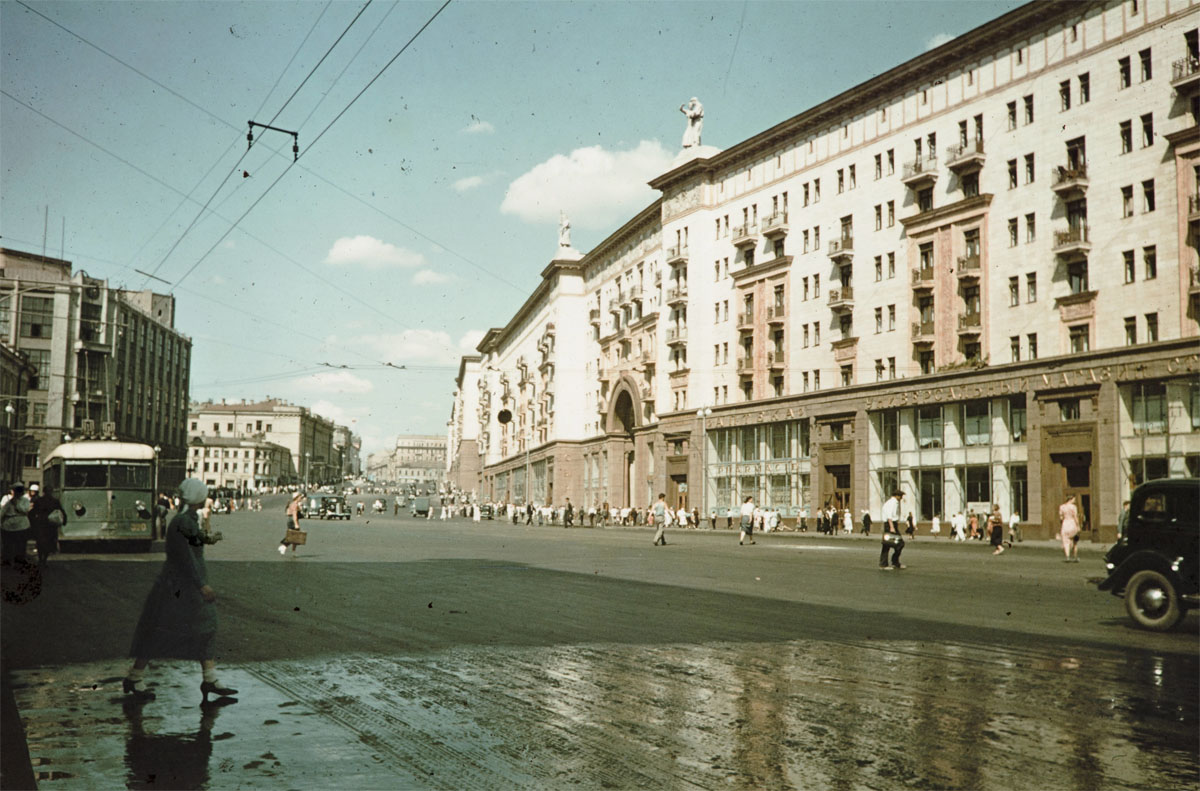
(942, 214)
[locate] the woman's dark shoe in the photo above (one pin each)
(216, 689)
(129, 687)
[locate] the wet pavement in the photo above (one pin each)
(800, 714)
(517, 658)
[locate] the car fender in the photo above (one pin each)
(1139, 561)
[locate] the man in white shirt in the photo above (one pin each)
(891, 533)
(747, 525)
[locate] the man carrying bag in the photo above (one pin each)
(891, 533)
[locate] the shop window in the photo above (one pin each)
(1150, 408)
(977, 423)
(929, 427)
(979, 484)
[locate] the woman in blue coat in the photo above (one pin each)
(179, 618)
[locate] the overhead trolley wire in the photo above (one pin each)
(310, 146)
(325, 180)
(245, 153)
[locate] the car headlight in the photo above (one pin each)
(1110, 566)
(1175, 566)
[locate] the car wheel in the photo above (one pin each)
(1151, 601)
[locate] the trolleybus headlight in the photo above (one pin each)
(79, 509)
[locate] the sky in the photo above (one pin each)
(437, 146)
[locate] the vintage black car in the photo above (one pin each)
(486, 511)
(326, 506)
(1155, 564)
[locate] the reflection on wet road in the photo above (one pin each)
(799, 714)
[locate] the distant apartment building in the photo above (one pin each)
(415, 462)
(242, 464)
(107, 362)
(347, 447)
(973, 278)
(308, 437)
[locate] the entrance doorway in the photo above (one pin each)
(1075, 477)
(837, 486)
(677, 497)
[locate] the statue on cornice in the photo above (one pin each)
(695, 115)
(564, 230)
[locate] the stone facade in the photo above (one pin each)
(972, 277)
(108, 362)
(307, 436)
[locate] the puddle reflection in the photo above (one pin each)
(169, 760)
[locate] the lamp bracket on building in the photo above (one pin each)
(295, 137)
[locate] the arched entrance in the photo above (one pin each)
(620, 426)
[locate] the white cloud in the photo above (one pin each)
(338, 414)
(335, 382)
(470, 340)
(594, 186)
(420, 346)
(371, 253)
(428, 277)
(468, 183)
(478, 127)
(937, 40)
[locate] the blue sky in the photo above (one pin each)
(422, 214)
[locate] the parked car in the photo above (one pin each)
(1155, 565)
(419, 506)
(334, 507)
(487, 511)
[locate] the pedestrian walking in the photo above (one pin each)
(935, 527)
(46, 516)
(996, 529)
(660, 520)
(1068, 530)
(179, 618)
(747, 521)
(569, 514)
(293, 522)
(892, 540)
(911, 530)
(866, 523)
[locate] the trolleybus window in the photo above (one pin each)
(130, 476)
(87, 476)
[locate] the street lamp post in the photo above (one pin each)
(157, 516)
(703, 414)
(307, 464)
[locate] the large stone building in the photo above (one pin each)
(108, 362)
(241, 464)
(973, 277)
(462, 429)
(417, 462)
(308, 437)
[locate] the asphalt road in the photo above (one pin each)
(400, 653)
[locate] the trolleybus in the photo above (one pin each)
(106, 488)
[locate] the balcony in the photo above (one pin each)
(841, 300)
(776, 314)
(1072, 243)
(647, 392)
(677, 255)
(1193, 208)
(842, 250)
(776, 225)
(594, 315)
(676, 336)
(677, 295)
(922, 279)
(920, 173)
(1185, 72)
(923, 333)
(969, 267)
(745, 322)
(634, 294)
(965, 158)
(970, 323)
(744, 236)
(745, 366)
(1194, 281)
(845, 349)
(777, 360)
(1069, 182)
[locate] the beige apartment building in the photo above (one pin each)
(107, 362)
(241, 464)
(973, 277)
(417, 462)
(307, 436)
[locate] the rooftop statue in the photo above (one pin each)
(695, 115)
